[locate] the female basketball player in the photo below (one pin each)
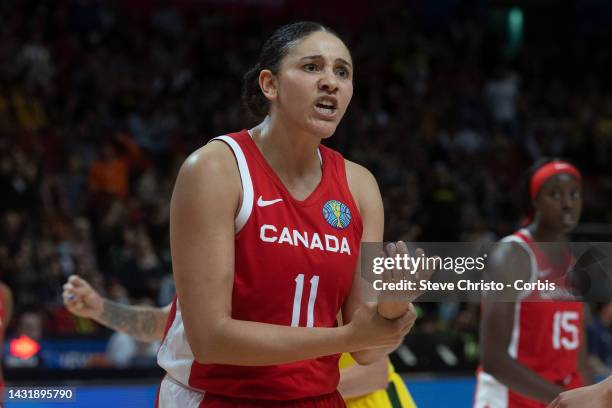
(533, 349)
(265, 229)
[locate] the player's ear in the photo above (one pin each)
(268, 84)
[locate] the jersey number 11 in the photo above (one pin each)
(297, 300)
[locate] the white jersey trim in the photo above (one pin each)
(514, 340)
(516, 332)
(175, 355)
(247, 184)
(533, 273)
(172, 394)
(490, 393)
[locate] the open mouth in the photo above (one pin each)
(326, 106)
(325, 109)
(568, 218)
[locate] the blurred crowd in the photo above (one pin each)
(98, 108)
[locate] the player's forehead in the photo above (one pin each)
(561, 181)
(320, 44)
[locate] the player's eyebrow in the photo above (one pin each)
(318, 56)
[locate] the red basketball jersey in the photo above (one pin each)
(546, 336)
(294, 266)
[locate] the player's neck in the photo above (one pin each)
(543, 233)
(291, 153)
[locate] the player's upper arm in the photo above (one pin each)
(204, 202)
(366, 193)
(507, 263)
(364, 189)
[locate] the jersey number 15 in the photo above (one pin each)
(565, 331)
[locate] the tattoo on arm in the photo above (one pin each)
(142, 323)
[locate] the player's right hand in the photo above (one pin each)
(368, 329)
(81, 299)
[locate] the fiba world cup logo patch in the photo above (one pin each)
(337, 214)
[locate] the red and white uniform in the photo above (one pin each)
(546, 336)
(294, 266)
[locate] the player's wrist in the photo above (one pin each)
(393, 310)
(99, 308)
(347, 338)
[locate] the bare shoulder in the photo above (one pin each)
(364, 188)
(356, 173)
(209, 170)
(507, 263)
(361, 182)
(213, 159)
(509, 259)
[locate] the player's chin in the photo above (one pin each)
(569, 227)
(568, 224)
(323, 129)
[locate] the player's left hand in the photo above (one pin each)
(593, 396)
(391, 307)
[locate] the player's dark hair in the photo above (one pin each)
(273, 51)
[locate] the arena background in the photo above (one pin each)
(100, 101)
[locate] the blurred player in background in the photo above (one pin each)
(6, 311)
(369, 386)
(534, 349)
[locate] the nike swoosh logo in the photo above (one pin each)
(265, 203)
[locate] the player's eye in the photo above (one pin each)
(311, 67)
(342, 72)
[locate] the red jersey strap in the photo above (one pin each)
(339, 167)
